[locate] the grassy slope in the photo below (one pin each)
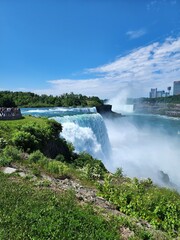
(28, 212)
(22, 204)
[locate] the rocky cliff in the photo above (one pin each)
(106, 111)
(168, 109)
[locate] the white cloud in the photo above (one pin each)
(136, 34)
(155, 65)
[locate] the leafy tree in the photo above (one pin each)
(28, 99)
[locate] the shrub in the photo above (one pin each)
(36, 156)
(25, 141)
(3, 143)
(92, 168)
(141, 199)
(118, 173)
(60, 158)
(9, 154)
(56, 167)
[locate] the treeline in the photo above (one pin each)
(28, 99)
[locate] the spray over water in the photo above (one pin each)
(145, 146)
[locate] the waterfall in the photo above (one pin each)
(87, 132)
(125, 108)
(56, 111)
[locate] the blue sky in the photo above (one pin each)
(93, 47)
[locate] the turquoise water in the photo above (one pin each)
(166, 125)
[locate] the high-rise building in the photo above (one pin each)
(176, 89)
(160, 93)
(153, 93)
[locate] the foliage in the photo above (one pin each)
(31, 134)
(118, 173)
(37, 156)
(141, 199)
(28, 99)
(92, 168)
(25, 141)
(6, 101)
(33, 214)
(56, 167)
(9, 154)
(3, 143)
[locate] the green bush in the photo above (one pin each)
(141, 199)
(60, 158)
(92, 168)
(9, 154)
(25, 141)
(3, 143)
(56, 167)
(36, 156)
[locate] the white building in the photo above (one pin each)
(176, 88)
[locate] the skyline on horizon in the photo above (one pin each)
(97, 48)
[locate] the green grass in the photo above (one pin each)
(27, 212)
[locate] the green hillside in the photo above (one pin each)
(55, 193)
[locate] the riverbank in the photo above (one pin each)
(167, 109)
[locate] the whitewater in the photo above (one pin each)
(142, 145)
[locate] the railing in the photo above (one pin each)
(10, 113)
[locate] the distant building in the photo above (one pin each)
(176, 89)
(160, 93)
(153, 93)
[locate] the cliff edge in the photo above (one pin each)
(106, 111)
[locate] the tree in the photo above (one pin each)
(169, 89)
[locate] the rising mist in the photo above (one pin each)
(145, 145)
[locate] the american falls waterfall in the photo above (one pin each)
(87, 132)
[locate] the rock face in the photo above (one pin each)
(104, 108)
(106, 111)
(168, 109)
